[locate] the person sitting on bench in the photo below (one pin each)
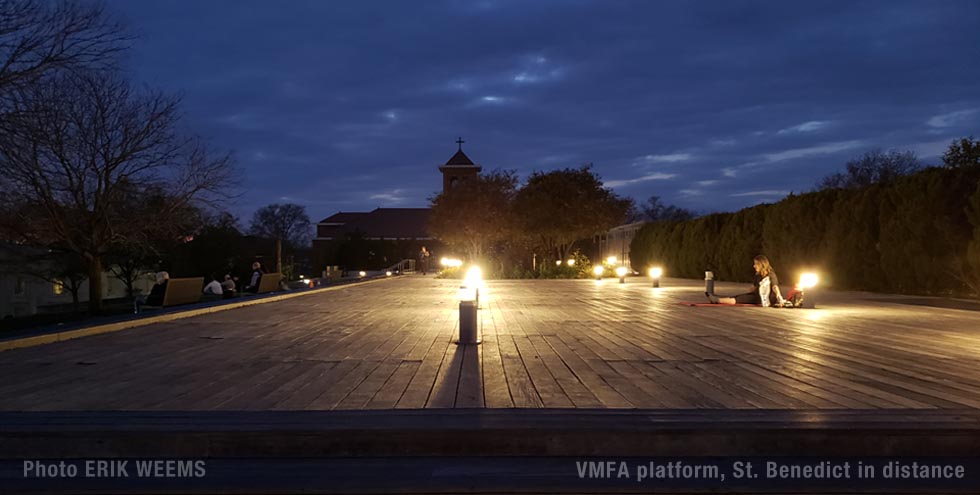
(155, 297)
(214, 287)
(765, 287)
(253, 283)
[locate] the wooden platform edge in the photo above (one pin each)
(543, 432)
(50, 338)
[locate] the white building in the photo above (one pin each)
(24, 293)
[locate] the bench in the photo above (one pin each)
(269, 283)
(178, 291)
(183, 291)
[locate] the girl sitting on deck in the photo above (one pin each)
(765, 288)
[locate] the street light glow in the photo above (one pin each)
(363, 274)
(597, 270)
(611, 260)
(656, 272)
(621, 271)
(571, 262)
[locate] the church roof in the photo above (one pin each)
(460, 158)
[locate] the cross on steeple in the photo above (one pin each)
(460, 142)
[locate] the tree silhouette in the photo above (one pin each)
(287, 223)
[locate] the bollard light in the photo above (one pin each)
(444, 261)
(597, 270)
(621, 273)
(808, 280)
(388, 273)
(474, 280)
(655, 274)
(469, 303)
(362, 274)
(611, 260)
(557, 262)
(571, 262)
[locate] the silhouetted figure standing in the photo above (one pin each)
(424, 256)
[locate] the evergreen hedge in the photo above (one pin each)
(919, 234)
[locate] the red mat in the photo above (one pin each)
(699, 304)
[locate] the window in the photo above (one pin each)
(58, 288)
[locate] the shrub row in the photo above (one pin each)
(919, 234)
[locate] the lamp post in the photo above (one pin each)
(598, 272)
(655, 274)
(467, 317)
(621, 273)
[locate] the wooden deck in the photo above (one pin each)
(546, 344)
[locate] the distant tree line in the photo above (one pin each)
(512, 228)
(884, 224)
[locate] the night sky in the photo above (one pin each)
(712, 105)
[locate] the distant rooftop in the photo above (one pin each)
(381, 223)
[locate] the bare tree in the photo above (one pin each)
(283, 222)
(93, 164)
(655, 210)
(38, 38)
(873, 167)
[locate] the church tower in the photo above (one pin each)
(458, 168)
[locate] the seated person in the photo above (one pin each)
(213, 288)
(253, 283)
(765, 285)
(228, 286)
(155, 298)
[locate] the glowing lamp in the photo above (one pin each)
(557, 262)
(388, 273)
(597, 270)
(474, 276)
(808, 280)
(655, 273)
(444, 261)
(611, 260)
(363, 274)
(571, 262)
(621, 271)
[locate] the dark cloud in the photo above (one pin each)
(711, 105)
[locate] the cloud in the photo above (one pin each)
(672, 158)
(768, 192)
(645, 178)
(813, 125)
(728, 171)
(823, 149)
(723, 142)
(952, 118)
(394, 196)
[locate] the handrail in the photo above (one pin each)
(404, 266)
